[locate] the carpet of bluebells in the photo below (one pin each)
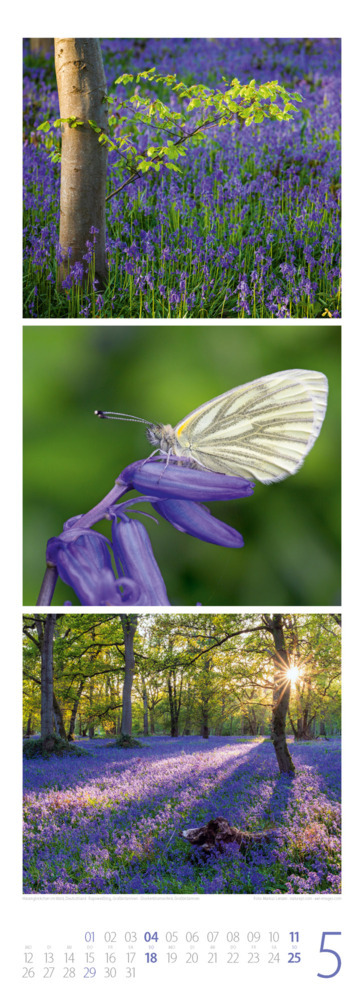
(250, 227)
(110, 822)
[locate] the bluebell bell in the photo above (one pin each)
(196, 519)
(83, 561)
(134, 558)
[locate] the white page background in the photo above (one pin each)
(63, 921)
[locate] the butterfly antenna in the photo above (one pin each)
(110, 415)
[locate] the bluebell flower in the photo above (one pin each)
(134, 557)
(124, 570)
(196, 519)
(176, 479)
(83, 562)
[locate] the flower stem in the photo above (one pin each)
(48, 586)
(98, 512)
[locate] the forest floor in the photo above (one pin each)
(111, 821)
(249, 225)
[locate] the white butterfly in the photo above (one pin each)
(261, 430)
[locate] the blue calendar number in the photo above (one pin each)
(330, 951)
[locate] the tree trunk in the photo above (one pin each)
(174, 703)
(129, 624)
(205, 698)
(323, 729)
(187, 722)
(281, 694)
(145, 712)
(58, 718)
(74, 710)
(91, 725)
(43, 45)
(47, 682)
(82, 92)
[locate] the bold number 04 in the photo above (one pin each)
(330, 952)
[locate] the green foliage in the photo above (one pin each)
(247, 104)
(42, 748)
(220, 667)
(127, 742)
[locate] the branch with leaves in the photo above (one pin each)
(201, 109)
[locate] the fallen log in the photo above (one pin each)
(218, 832)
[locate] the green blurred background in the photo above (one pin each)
(71, 459)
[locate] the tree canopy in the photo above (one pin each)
(205, 673)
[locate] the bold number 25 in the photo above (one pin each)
(330, 952)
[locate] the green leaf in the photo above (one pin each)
(245, 112)
(145, 74)
(233, 106)
(95, 128)
(125, 78)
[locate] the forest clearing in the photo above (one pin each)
(138, 727)
(112, 822)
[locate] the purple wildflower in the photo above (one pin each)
(83, 562)
(83, 558)
(83, 833)
(197, 520)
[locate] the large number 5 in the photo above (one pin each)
(331, 952)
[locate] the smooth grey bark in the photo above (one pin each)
(82, 92)
(129, 625)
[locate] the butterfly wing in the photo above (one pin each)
(261, 430)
